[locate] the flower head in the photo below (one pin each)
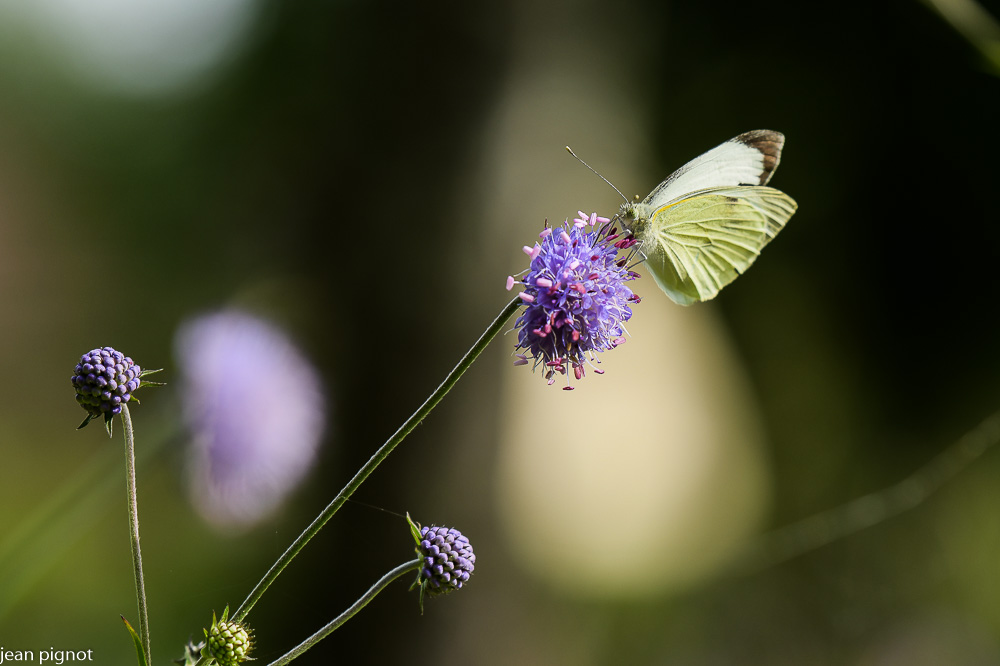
(105, 379)
(255, 409)
(447, 560)
(229, 643)
(575, 295)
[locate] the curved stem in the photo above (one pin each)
(376, 459)
(133, 522)
(334, 624)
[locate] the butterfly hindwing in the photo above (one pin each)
(701, 243)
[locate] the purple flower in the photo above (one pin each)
(575, 295)
(255, 410)
(446, 559)
(104, 379)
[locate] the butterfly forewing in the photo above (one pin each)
(701, 243)
(747, 159)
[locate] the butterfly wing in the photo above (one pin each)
(697, 245)
(747, 159)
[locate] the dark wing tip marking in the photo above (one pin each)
(769, 143)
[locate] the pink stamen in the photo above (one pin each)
(620, 340)
(521, 360)
(526, 297)
(565, 237)
(565, 388)
(546, 232)
(543, 282)
(573, 264)
(510, 282)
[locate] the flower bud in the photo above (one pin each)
(229, 643)
(446, 559)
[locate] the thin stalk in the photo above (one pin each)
(133, 522)
(334, 624)
(376, 459)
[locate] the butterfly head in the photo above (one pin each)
(634, 215)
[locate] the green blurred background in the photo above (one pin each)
(365, 174)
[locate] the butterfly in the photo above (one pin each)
(707, 222)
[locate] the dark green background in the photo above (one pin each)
(315, 176)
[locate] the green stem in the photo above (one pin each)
(383, 582)
(133, 522)
(376, 459)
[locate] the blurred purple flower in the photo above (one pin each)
(255, 410)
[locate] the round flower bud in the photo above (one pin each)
(448, 560)
(104, 380)
(229, 643)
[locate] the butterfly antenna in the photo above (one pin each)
(598, 174)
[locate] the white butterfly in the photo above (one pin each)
(706, 223)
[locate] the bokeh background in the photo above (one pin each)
(363, 175)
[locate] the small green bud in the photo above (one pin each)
(229, 643)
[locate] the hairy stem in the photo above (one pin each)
(133, 522)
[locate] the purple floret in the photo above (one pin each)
(448, 560)
(104, 379)
(575, 295)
